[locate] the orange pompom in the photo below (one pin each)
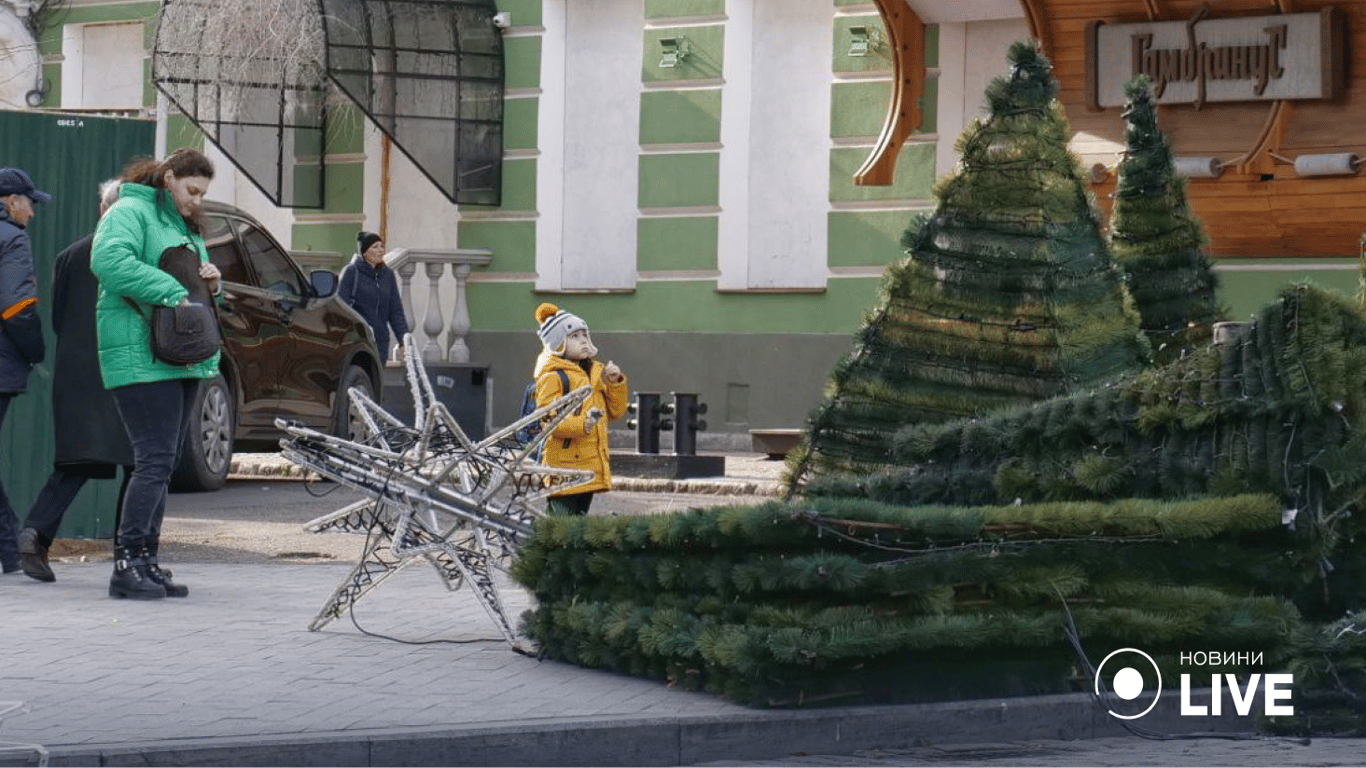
(544, 311)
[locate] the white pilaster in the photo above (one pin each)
(790, 161)
(950, 110)
(601, 145)
(775, 134)
(732, 254)
(550, 129)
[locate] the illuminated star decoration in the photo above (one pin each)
(462, 506)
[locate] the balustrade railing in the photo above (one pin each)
(405, 262)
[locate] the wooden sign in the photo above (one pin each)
(1251, 58)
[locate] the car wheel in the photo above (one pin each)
(206, 455)
(345, 422)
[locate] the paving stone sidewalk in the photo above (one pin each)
(232, 676)
(236, 660)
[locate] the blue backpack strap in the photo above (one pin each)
(564, 388)
(341, 278)
(529, 404)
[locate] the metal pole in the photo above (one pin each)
(647, 422)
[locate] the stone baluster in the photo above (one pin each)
(434, 322)
(459, 351)
(405, 272)
(462, 262)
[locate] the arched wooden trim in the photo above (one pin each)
(906, 38)
(1260, 159)
(1154, 12)
(1037, 18)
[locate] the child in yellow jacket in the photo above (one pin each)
(580, 441)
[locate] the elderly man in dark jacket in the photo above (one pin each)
(90, 437)
(372, 290)
(21, 330)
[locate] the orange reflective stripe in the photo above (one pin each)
(15, 309)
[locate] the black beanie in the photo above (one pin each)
(365, 240)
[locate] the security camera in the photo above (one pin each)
(502, 20)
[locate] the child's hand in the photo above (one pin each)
(591, 420)
(611, 373)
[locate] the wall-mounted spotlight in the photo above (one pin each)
(862, 40)
(675, 50)
(1198, 167)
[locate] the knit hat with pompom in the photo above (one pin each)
(554, 326)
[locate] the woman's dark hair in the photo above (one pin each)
(183, 162)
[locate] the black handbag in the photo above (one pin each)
(187, 333)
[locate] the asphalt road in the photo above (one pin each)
(1118, 751)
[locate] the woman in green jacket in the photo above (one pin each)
(158, 208)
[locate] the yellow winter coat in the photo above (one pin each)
(568, 446)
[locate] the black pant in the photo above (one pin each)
(569, 504)
(60, 490)
(9, 522)
(156, 416)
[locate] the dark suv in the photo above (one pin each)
(291, 348)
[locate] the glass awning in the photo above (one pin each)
(262, 79)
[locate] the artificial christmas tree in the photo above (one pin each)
(1008, 294)
(1156, 240)
(840, 600)
(1279, 408)
(1328, 662)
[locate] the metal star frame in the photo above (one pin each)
(463, 506)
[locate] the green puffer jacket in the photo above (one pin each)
(128, 244)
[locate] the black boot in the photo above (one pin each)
(132, 577)
(33, 556)
(162, 576)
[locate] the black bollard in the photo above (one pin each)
(687, 412)
(645, 419)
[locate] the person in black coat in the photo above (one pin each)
(371, 289)
(90, 438)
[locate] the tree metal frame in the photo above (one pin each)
(429, 74)
(434, 495)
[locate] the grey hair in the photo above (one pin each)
(109, 191)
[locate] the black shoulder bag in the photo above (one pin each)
(188, 333)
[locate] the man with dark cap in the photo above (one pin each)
(372, 290)
(21, 329)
